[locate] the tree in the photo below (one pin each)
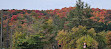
(81, 16)
(41, 35)
(78, 35)
(90, 42)
(108, 36)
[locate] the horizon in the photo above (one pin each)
(51, 4)
(45, 9)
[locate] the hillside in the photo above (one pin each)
(66, 28)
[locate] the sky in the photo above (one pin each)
(50, 4)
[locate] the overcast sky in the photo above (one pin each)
(50, 4)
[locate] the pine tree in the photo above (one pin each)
(80, 16)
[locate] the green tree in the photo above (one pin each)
(41, 35)
(32, 42)
(90, 42)
(71, 38)
(80, 16)
(16, 37)
(109, 39)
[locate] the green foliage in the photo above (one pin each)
(16, 37)
(34, 29)
(108, 36)
(80, 16)
(80, 13)
(32, 42)
(42, 34)
(70, 39)
(101, 38)
(59, 22)
(91, 43)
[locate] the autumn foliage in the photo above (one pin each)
(65, 28)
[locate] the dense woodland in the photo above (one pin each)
(66, 28)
